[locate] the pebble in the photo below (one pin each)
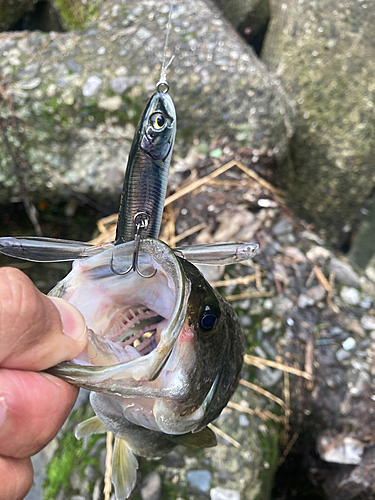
(33, 83)
(200, 479)
(90, 473)
(305, 301)
(151, 487)
(268, 325)
(282, 306)
(110, 103)
(342, 355)
(268, 304)
(73, 66)
(283, 226)
(346, 451)
(366, 303)
(318, 254)
(174, 459)
(122, 83)
(220, 493)
(269, 377)
(350, 295)
(368, 322)
(317, 293)
(119, 84)
(349, 344)
(246, 321)
(243, 421)
(92, 86)
(344, 273)
(29, 71)
(268, 347)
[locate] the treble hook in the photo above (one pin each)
(141, 220)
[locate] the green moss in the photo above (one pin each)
(71, 454)
(75, 14)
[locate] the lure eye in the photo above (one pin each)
(208, 321)
(157, 121)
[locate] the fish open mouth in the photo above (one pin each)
(143, 341)
(128, 317)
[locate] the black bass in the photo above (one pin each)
(156, 385)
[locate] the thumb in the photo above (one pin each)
(36, 331)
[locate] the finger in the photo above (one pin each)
(36, 332)
(17, 478)
(33, 407)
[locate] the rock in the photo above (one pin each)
(358, 482)
(363, 245)
(92, 86)
(368, 322)
(318, 255)
(220, 493)
(268, 304)
(151, 487)
(317, 293)
(349, 344)
(324, 54)
(246, 321)
(269, 377)
(111, 103)
(282, 226)
(304, 301)
(249, 17)
(12, 10)
(268, 325)
(342, 355)
(243, 421)
(344, 273)
(350, 295)
(220, 88)
(200, 479)
(340, 449)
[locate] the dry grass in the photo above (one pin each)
(108, 467)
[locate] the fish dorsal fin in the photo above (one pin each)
(124, 469)
(89, 427)
(205, 438)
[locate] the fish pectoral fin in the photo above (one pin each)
(89, 427)
(206, 438)
(124, 469)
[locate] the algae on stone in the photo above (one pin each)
(324, 54)
(80, 141)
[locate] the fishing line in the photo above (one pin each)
(162, 85)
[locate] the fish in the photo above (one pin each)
(168, 388)
(164, 354)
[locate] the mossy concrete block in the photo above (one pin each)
(324, 54)
(363, 247)
(249, 17)
(61, 121)
(12, 10)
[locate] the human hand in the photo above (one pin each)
(36, 332)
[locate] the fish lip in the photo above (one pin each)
(152, 363)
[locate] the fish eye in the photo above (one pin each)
(158, 121)
(208, 320)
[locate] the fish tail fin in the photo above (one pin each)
(124, 469)
(89, 427)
